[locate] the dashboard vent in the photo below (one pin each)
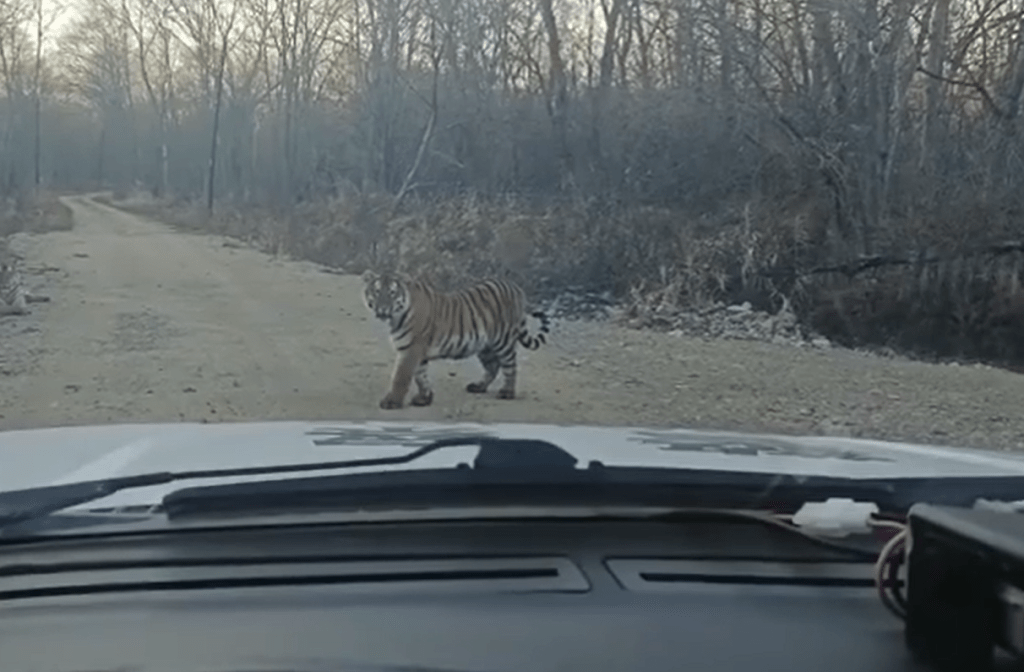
(667, 575)
(538, 574)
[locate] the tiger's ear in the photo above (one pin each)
(369, 276)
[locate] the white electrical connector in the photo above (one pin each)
(835, 517)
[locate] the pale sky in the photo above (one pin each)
(66, 16)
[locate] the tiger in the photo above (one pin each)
(14, 298)
(486, 320)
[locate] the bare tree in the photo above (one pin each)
(13, 44)
(558, 95)
(43, 21)
(147, 22)
(97, 63)
(211, 29)
(695, 104)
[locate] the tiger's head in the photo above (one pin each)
(385, 295)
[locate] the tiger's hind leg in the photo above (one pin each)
(491, 366)
(425, 395)
(507, 361)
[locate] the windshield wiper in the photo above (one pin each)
(20, 506)
(504, 472)
(595, 485)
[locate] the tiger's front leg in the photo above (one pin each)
(406, 365)
(425, 395)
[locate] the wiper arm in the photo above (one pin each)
(20, 506)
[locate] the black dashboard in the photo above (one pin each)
(473, 596)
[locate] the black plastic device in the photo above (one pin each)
(965, 587)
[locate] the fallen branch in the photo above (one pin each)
(854, 268)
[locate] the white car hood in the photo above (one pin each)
(39, 457)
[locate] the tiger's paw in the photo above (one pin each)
(476, 388)
(506, 394)
(423, 399)
(389, 403)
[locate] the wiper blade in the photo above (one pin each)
(595, 485)
(20, 506)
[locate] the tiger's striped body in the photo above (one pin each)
(14, 298)
(486, 320)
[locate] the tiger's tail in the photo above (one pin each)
(535, 341)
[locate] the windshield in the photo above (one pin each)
(795, 218)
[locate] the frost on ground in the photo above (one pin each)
(150, 324)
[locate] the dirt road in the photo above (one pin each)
(149, 324)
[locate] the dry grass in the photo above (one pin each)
(656, 259)
(49, 214)
(576, 244)
(38, 213)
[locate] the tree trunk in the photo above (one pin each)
(937, 37)
(216, 124)
(559, 94)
